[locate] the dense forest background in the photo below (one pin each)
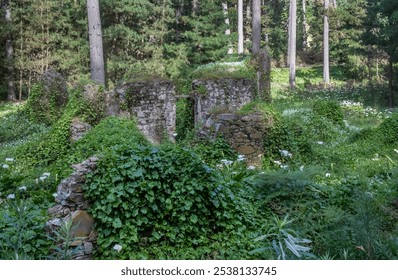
(170, 37)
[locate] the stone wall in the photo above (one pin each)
(73, 206)
(221, 95)
(153, 104)
(243, 132)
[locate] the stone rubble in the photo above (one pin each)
(72, 205)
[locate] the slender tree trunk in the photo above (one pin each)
(240, 27)
(305, 26)
(391, 82)
(228, 29)
(292, 43)
(264, 75)
(9, 55)
(326, 45)
(289, 29)
(256, 29)
(96, 48)
(195, 7)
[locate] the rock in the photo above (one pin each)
(56, 211)
(83, 223)
(246, 150)
(78, 129)
(88, 248)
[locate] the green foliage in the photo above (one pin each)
(285, 243)
(17, 126)
(43, 106)
(109, 132)
(22, 234)
(330, 110)
(161, 195)
(230, 70)
(388, 130)
(212, 151)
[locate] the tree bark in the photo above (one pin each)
(240, 27)
(96, 48)
(326, 78)
(228, 29)
(264, 75)
(195, 7)
(9, 54)
(305, 26)
(256, 29)
(292, 43)
(391, 82)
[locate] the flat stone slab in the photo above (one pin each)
(82, 223)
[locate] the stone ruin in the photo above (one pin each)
(223, 95)
(73, 206)
(152, 103)
(244, 133)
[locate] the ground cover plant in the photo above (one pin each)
(327, 187)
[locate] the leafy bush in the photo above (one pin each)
(109, 132)
(388, 130)
(159, 196)
(22, 234)
(330, 110)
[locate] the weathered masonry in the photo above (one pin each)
(153, 104)
(223, 95)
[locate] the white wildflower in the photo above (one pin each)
(251, 167)
(241, 158)
(302, 168)
(42, 178)
(9, 159)
(320, 142)
(285, 153)
(284, 166)
(46, 174)
(6, 166)
(226, 162)
(23, 188)
(11, 196)
(395, 150)
(54, 195)
(327, 174)
(174, 134)
(117, 247)
(277, 162)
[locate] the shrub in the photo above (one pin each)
(22, 234)
(388, 130)
(160, 197)
(109, 132)
(330, 110)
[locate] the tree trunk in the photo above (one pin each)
(391, 82)
(228, 29)
(195, 7)
(9, 55)
(96, 48)
(305, 26)
(292, 43)
(256, 29)
(240, 27)
(264, 75)
(326, 45)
